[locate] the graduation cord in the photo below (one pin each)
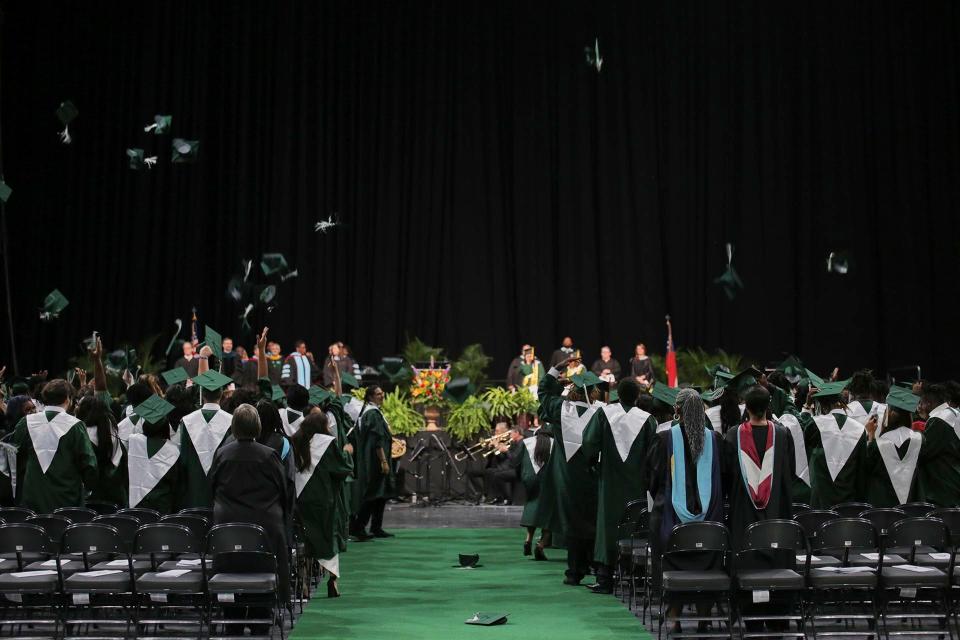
(4, 245)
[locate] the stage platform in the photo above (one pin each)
(454, 514)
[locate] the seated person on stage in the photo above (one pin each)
(641, 368)
(606, 367)
(498, 472)
(189, 361)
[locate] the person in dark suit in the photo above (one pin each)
(249, 485)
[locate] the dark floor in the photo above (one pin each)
(451, 514)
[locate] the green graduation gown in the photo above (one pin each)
(892, 467)
(55, 460)
(340, 423)
(318, 490)
(204, 431)
(617, 438)
(373, 434)
(533, 478)
(940, 463)
(800, 485)
(111, 483)
(154, 472)
(574, 481)
(838, 451)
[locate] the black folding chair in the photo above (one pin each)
(165, 593)
(145, 516)
(103, 508)
(800, 507)
(244, 574)
(76, 514)
(53, 526)
(12, 515)
(766, 569)
(205, 512)
(632, 531)
(851, 509)
(27, 593)
(95, 594)
(918, 509)
(883, 519)
(708, 542)
(198, 524)
(837, 593)
(811, 521)
(918, 590)
(126, 525)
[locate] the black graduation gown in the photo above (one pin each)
(249, 485)
(742, 512)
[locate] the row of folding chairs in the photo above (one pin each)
(115, 571)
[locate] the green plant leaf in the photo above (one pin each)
(472, 364)
(417, 351)
(467, 420)
(400, 414)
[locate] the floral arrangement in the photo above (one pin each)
(428, 385)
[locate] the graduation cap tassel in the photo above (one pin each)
(152, 160)
(65, 135)
(288, 276)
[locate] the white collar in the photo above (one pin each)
(838, 410)
(944, 407)
(54, 408)
(210, 406)
(128, 411)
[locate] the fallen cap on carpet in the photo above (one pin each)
(487, 619)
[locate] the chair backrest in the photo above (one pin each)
(20, 537)
(846, 534)
(851, 509)
(91, 538)
(698, 536)
(918, 509)
(799, 507)
(812, 519)
(12, 515)
(206, 512)
(914, 532)
(197, 524)
(883, 519)
(145, 516)
(76, 514)
(54, 525)
(237, 536)
(950, 517)
(102, 507)
(244, 562)
(125, 525)
(166, 537)
(775, 534)
(632, 511)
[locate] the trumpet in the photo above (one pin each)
(485, 447)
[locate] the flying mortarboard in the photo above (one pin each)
(211, 380)
(272, 263)
(459, 389)
(154, 409)
(160, 124)
(792, 369)
(902, 399)
(214, 340)
(66, 113)
(5, 191)
(184, 150)
(175, 376)
(137, 161)
(729, 279)
(839, 262)
(53, 305)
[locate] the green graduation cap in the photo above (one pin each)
(211, 380)
(319, 396)
(614, 396)
(117, 361)
(175, 376)
(53, 305)
(902, 399)
(67, 112)
(160, 126)
(713, 395)
(214, 340)
(272, 263)
(665, 394)
(154, 409)
(184, 150)
(487, 619)
(816, 380)
(830, 389)
(18, 385)
(459, 389)
(744, 379)
(792, 368)
(5, 191)
(394, 370)
(839, 262)
(137, 161)
(730, 281)
(277, 394)
(348, 381)
(587, 379)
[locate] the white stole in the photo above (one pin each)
(858, 412)
(572, 425)
(838, 444)
(531, 444)
(900, 471)
(146, 472)
(319, 444)
(332, 427)
(801, 463)
(352, 409)
(949, 415)
(117, 454)
(664, 426)
(713, 415)
(45, 435)
(625, 426)
(206, 436)
(289, 427)
(128, 427)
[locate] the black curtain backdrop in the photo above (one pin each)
(494, 187)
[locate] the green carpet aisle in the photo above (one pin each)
(406, 588)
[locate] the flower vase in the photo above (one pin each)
(432, 414)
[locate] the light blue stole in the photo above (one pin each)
(303, 370)
(678, 469)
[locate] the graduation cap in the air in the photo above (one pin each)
(184, 150)
(5, 191)
(792, 369)
(593, 54)
(902, 399)
(117, 361)
(53, 305)
(66, 113)
(214, 340)
(394, 370)
(468, 560)
(839, 262)
(175, 376)
(459, 389)
(137, 160)
(720, 374)
(664, 393)
(348, 381)
(319, 396)
(322, 226)
(154, 409)
(729, 279)
(272, 263)
(161, 124)
(487, 619)
(211, 380)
